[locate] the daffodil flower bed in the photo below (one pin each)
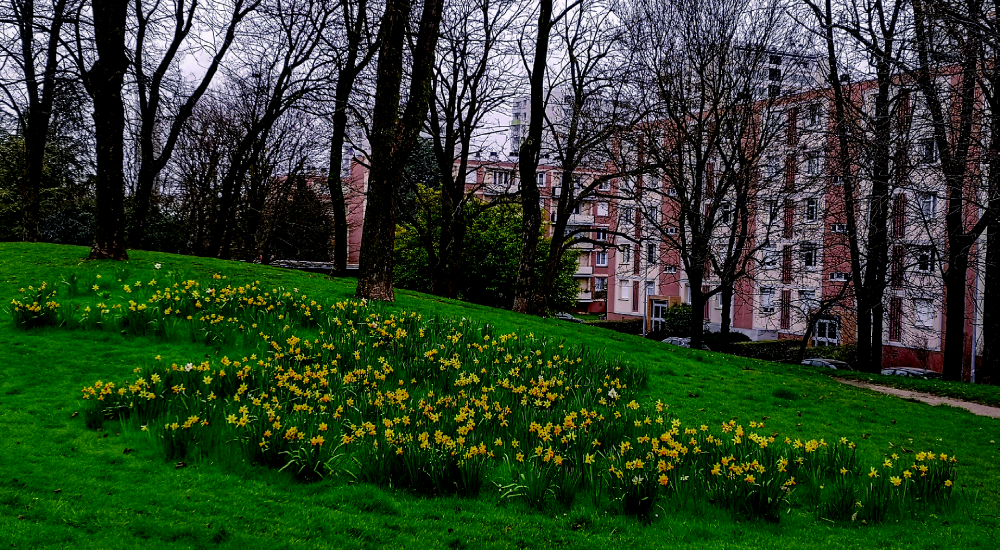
(444, 406)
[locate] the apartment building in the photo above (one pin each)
(801, 266)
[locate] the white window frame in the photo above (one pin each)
(670, 269)
(924, 314)
(810, 255)
(811, 210)
(626, 253)
(601, 258)
(650, 288)
(930, 259)
(823, 325)
(726, 212)
(600, 284)
(671, 230)
(652, 254)
(603, 208)
(928, 204)
(767, 299)
(838, 276)
(600, 234)
(838, 228)
(624, 289)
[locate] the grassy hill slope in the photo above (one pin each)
(63, 485)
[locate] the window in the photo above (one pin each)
(650, 288)
(928, 204)
(671, 192)
(670, 269)
(809, 253)
(838, 227)
(471, 176)
(600, 234)
(774, 59)
(672, 230)
(651, 254)
(770, 258)
(926, 151)
(924, 261)
(813, 114)
(838, 276)
(600, 284)
(812, 210)
(771, 166)
(774, 74)
(826, 333)
(601, 259)
(925, 313)
(726, 212)
(500, 179)
(774, 90)
(541, 179)
(767, 300)
(604, 185)
(625, 289)
(813, 163)
(627, 214)
(602, 209)
(626, 254)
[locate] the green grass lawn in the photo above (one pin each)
(63, 485)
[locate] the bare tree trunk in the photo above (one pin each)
(525, 300)
(727, 306)
(393, 139)
(346, 77)
(106, 78)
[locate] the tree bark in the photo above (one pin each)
(106, 78)
(525, 300)
(393, 139)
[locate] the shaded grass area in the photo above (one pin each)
(62, 485)
(977, 393)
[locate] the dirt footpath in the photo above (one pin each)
(974, 408)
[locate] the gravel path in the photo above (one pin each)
(974, 408)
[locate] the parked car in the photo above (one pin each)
(828, 363)
(682, 342)
(913, 372)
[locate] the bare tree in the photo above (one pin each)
(869, 152)
(951, 106)
(35, 49)
(284, 67)
(473, 77)
(103, 81)
(393, 137)
(352, 51)
(163, 34)
(529, 155)
(712, 120)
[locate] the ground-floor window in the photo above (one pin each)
(826, 333)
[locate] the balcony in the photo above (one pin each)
(584, 271)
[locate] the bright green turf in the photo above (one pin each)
(64, 486)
